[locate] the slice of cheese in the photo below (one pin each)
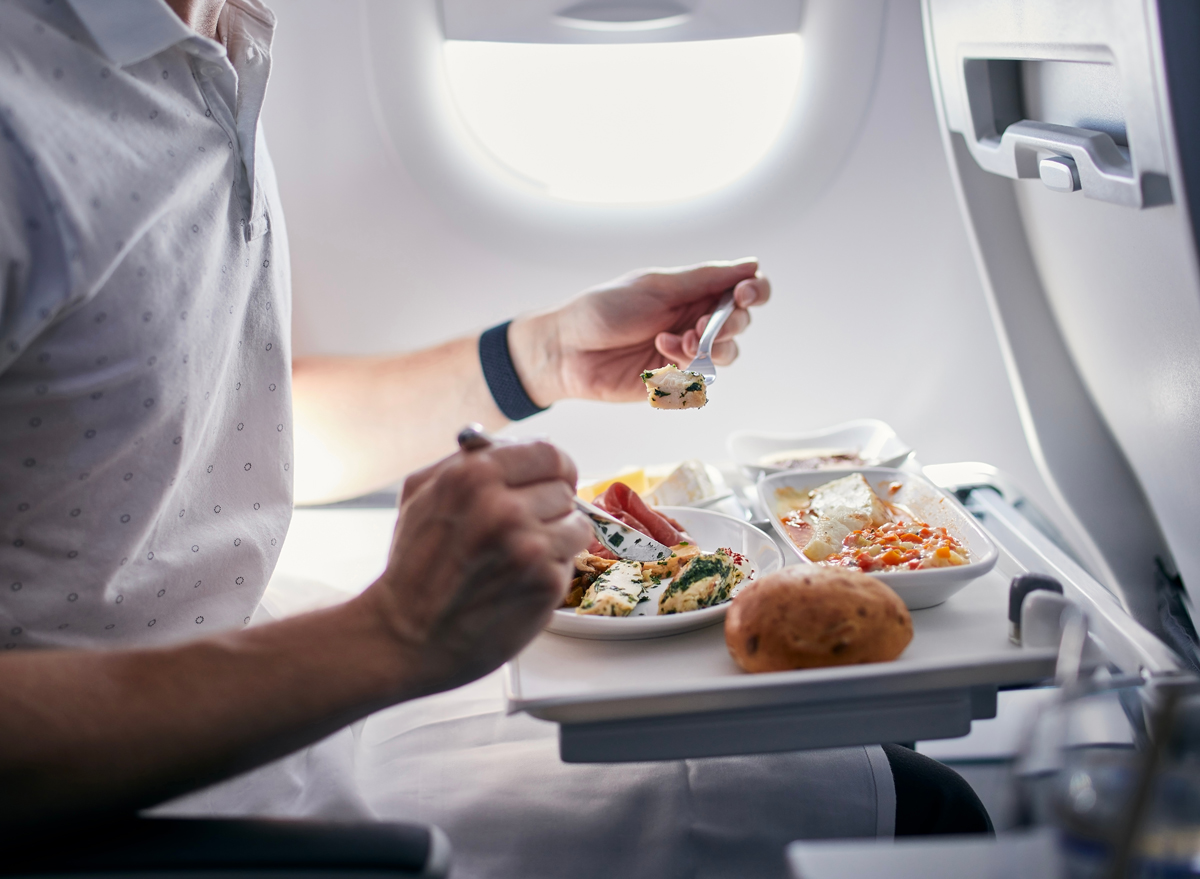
(838, 508)
(672, 388)
(706, 580)
(635, 479)
(616, 592)
(687, 484)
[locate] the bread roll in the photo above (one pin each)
(808, 617)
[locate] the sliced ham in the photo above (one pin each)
(622, 502)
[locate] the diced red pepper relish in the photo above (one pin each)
(899, 546)
(736, 557)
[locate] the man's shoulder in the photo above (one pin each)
(48, 69)
(76, 186)
(28, 23)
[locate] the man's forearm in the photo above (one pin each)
(364, 422)
(85, 731)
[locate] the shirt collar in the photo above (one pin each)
(129, 31)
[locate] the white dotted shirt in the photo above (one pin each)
(145, 366)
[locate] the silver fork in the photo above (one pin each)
(702, 362)
(624, 542)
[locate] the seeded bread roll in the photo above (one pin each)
(809, 617)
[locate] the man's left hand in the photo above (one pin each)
(596, 346)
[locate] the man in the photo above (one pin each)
(146, 456)
(147, 429)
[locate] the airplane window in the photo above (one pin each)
(626, 122)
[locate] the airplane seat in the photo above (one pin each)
(194, 847)
(1092, 279)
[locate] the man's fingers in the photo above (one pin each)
(754, 291)
(724, 353)
(547, 500)
(678, 349)
(415, 480)
(694, 282)
(569, 536)
(530, 462)
(690, 341)
(670, 346)
(681, 349)
(735, 324)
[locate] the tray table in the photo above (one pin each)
(682, 696)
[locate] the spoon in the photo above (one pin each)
(624, 542)
(702, 362)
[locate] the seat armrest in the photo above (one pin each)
(202, 845)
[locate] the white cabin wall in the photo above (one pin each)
(877, 309)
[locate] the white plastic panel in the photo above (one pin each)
(1097, 304)
(1076, 94)
(1030, 854)
(1092, 61)
(616, 21)
(1123, 286)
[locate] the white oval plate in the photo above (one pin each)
(918, 589)
(710, 530)
(748, 447)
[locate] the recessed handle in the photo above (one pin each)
(1075, 159)
(629, 17)
(1065, 157)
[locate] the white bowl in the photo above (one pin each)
(710, 530)
(918, 589)
(747, 447)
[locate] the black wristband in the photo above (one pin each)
(501, 375)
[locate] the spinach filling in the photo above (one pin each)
(701, 568)
(634, 592)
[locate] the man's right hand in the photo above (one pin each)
(482, 555)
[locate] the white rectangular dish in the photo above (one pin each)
(870, 438)
(921, 588)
